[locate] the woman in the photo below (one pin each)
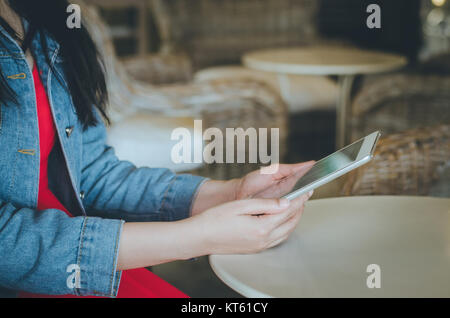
(72, 216)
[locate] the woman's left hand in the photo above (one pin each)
(256, 184)
(259, 185)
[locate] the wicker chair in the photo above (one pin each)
(397, 102)
(438, 64)
(160, 68)
(219, 104)
(218, 32)
(415, 162)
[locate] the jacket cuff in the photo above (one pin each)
(179, 197)
(97, 257)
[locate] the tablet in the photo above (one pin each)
(336, 164)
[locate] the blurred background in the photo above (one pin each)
(170, 61)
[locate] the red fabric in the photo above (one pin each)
(135, 283)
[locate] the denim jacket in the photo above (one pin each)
(38, 248)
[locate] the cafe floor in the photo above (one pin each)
(195, 278)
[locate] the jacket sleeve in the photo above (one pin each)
(43, 252)
(117, 189)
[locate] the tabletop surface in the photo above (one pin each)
(337, 239)
(322, 60)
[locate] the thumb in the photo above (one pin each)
(260, 206)
(304, 167)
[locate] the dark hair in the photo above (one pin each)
(82, 63)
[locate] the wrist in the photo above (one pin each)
(232, 188)
(213, 193)
(198, 244)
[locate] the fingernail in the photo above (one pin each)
(310, 193)
(284, 203)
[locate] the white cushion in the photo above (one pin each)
(304, 92)
(145, 140)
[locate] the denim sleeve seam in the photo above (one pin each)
(83, 229)
(166, 193)
(114, 268)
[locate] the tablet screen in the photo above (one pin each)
(332, 163)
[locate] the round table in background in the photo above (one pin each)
(345, 62)
(337, 241)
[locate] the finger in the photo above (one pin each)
(303, 169)
(287, 184)
(287, 227)
(278, 241)
(297, 206)
(284, 185)
(275, 221)
(294, 208)
(286, 170)
(259, 206)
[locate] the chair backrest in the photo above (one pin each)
(397, 102)
(116, 76)
(415, 162)
(214, 32)
(124, 91)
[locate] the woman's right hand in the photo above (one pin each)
(248, 226)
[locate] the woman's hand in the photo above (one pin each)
(254, 185)
(247, 226)
(259, 185)
(238, 227)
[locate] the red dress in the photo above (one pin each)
(139, 283)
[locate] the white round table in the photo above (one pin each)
(337, 239)
(345, 62)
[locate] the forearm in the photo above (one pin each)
(213, 193)
(150, 243)
(145, 244)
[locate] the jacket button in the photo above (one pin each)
(82, 195)
(69, 131)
